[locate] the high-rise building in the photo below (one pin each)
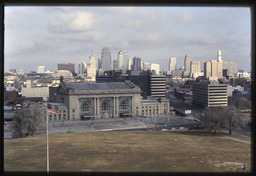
(106, 59)
(146, 66)
(210, 94)
(122, 58)
(99, 64)
(115, 65)
(195, 69)
(230, 67)
(70, 67)
(41, 69)
(91, 68)
(172, 64)
(129, 64)
(219, 56)
(187, 61)
(136, 64)
(156, 68)
(81, 67)
(213, 70)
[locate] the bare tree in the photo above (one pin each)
(232, 118)
(28, 121)
(212, 119)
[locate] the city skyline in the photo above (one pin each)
(36, 36)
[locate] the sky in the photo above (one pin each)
(48, 35)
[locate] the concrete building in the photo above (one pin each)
(99, 100)
(231, 89)
(213, 70)
(146, 66)
(210, 94)
(115, 65)
(81, 68)
(106, 59)
(195, 70)
(155, 67)
(136, 64)
(122, 58)
(231, 68)
(187, 61)
(172, 64)
(219, 56)
(129, 64)
(70, 67)
(155, 107)
(157, 86)
(65, 73)
(41, 69)
(30, 91)
(91, 69)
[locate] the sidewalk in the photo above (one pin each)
(235, 139)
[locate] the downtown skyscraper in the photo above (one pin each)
(136, 64)
(187, 61)
(122, 58)
(172, 64)
(106, 59)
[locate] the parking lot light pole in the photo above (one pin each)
(244, 167)
(47, 144)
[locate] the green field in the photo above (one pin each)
(129, 152)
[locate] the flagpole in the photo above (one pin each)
(47, 143)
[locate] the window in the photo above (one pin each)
(85, 107)
(124, 105)
(59, 116)
(105, 106)
(73, 110)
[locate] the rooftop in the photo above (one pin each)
(101, 86)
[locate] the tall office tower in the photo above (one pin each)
(219, 56)
(115, 65)
(213, 70)
(146, 66)
(230, 67)
(136, 64)
(195, 67)
(106, 59)
(41, 69)
(122, 58)
(155, 67)
(141, 65)
(207, 69)
(129, 64)
(91, 68)
(172, 64)
(70, 67)
(99, 63)
(187, 61)
(81, 67)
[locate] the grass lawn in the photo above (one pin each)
(128, 152)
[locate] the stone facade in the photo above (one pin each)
(99, 100)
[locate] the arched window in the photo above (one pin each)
(105, 106)
(85, 107)
(124, 105)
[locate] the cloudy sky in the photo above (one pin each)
(42, 35)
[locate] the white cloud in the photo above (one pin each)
(72, 22)
(186, 18)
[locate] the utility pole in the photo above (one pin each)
(47, 144)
